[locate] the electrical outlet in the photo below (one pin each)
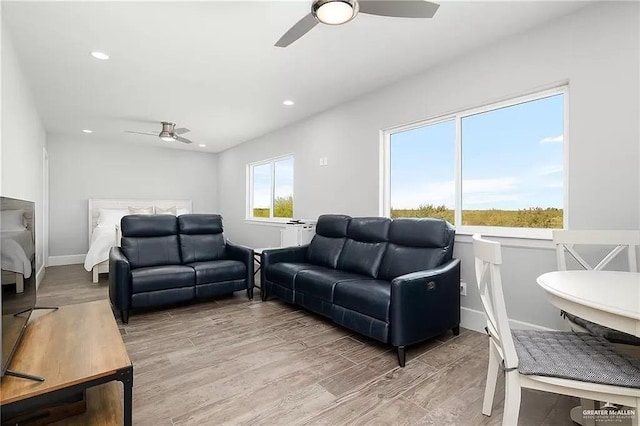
(463, 288)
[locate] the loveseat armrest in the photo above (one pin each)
(119, 279)
(242, 254)
(425, 303)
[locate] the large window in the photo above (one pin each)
(270, 191)
(499, 166)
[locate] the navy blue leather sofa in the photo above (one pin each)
(166, 259)
(393, 280)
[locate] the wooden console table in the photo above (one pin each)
(74, 348)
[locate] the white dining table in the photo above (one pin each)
(609, 298)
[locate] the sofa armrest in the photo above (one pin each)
(119, 279)
(243, 254)
(425, 303)
(288, 254)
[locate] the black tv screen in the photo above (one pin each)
(18, 261)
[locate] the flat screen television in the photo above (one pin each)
(18, 261)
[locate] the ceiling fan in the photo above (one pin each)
(168, 133)
(337, 12)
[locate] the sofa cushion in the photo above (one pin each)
(416, 245)
(325, 251)
(200, 224)
(326, 245)
(319, 283)
(151, 251)
(369, 297)
(369, 229)
(214, 271)
(140, 226)
(201, 237)
(284, 273)
(365, 245)
(161, 278)
(332, 225)
(421, 232)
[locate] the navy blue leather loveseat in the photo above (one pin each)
(166, 259)
(393, 280)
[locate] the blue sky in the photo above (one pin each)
(262, 182)
(511, 159)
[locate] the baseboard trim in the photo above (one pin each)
(73, 259)
(476, 321)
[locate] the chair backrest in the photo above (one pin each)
(201, 237)
(488, 258)
(565, 240)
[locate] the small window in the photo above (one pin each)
(499, 166)
(271, 189)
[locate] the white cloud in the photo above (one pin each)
(554, 185)
(549, 170)
(556, 139)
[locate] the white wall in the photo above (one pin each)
(23, 141)
(86, 167)
(596, 50)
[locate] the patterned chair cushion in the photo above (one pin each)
(610, 334)
(574, 356)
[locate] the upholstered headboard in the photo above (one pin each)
(96, 204)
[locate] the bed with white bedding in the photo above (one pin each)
(104, 221)
(17, 250)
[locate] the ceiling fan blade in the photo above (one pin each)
(141, 133)
(302, 27)
(181, 131)
(181, 139)
(399, 8)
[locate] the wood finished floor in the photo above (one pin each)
(231, 361)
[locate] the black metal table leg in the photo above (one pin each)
(126, 378)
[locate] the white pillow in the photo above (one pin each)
(111, 217)
(12, 220)
(182, 211)
(168, 210)
(141, 210)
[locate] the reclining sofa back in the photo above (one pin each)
(150, 240)
(201, 238)
(380, 247)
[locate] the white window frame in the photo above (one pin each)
(496, 231)
(249, 189)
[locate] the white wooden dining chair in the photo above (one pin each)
(566, 240)
(561, 362)
(621, 241)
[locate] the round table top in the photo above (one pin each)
(609, 291)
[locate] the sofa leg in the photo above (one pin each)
(263, 293)
(250, 293)
(456, 330)
(124, 314)
(402, 355)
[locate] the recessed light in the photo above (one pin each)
(288, 103)
(87, 131)
(202, 145)
(100, 55)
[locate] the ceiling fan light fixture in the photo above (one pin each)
(166, 136)
(334, 12)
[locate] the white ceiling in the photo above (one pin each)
(212, 67)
